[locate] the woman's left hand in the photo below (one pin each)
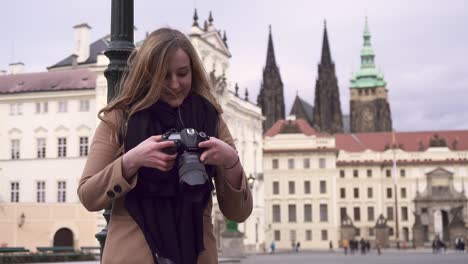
(217, 152)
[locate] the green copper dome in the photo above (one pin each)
(368, 75)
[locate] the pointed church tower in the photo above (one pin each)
(327, 108)
(369, 108)
(271, 96)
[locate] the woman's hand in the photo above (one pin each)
(217, 153)
(148, 154)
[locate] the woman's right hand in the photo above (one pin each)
(148, 153)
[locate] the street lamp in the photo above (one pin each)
(251, 180)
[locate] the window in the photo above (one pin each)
(275, 187)
(307, 213)
(62, 106)
(323, 187)
(356, 193)
(308, 235)
(369, 173)
(14, 198)
(404, 213)
(424, 210)
(343, 213)
(61, 192)
(274, 164)
(42, 107)
(324, 235)
(306, 187)
(371, 231)
(292, 213)
(84, 105)
(16, 109)
(358, 231)
(323, 213)
(62, 147)
(276, 213)
(403, 192)
(38, 108)
(83, 146)
(390, 231)
(41, 148)
(389, 192)
(402, 173)
(306, 163)
(355, 173)
(277, 235)
(390, 213)
(40, 192)
(290, 163)
(388, 173)
(342, 193)
(370, 213)
(322, 163)
(342, 173)
(292, 187)
(292, 235)
(357, 214)
(15, 149)
(370, 192)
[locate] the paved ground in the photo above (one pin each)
(389, 257)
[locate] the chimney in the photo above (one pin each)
(15, 68)
(74, 61)
(81, 38)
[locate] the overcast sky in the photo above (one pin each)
(421, 46)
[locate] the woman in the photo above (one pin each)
(155, 219)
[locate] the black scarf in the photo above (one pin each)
(169, 215)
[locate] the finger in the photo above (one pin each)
(163, 144)
(156, 138)
(207, 144)
(206, 154)
(166, 157)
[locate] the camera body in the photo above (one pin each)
(191, 171)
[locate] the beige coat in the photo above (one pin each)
(102, 184)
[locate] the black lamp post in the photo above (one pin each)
(119, 49)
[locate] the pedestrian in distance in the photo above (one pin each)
(272, 247)
(161, 192)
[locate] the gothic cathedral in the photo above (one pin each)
(271, 96)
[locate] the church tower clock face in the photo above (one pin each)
(367, 119)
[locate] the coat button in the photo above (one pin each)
(117, 188)
(110, 194)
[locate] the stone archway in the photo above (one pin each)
(63, 238)
(439, 210)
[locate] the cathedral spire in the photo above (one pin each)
(271, 61)
(327, 115)
(326, 56)
(271, 96)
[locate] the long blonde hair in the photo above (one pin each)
(142, 85)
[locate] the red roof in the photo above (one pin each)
(300, 124)
(48, 81)
(378, 141)
(408, 141)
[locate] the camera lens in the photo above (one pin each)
(191, 171)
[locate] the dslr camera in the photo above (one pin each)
(191, 171)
